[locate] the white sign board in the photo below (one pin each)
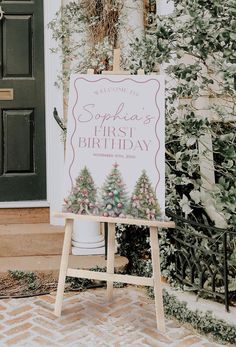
(115, 162)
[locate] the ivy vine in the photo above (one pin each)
(196, 48)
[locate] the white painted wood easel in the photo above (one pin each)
(109, 276)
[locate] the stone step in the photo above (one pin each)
(30, 240)
(24, 215)
(51, 263)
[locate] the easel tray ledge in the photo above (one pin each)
(117, 220)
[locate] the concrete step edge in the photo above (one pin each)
(52, 263)
(24, 229)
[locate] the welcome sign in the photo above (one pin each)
(115, 163)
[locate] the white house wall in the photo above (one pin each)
(164, 7)
(54, 96)
(133, 24)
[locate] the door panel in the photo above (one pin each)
(17, 41)
(18, 138)
(22, 120)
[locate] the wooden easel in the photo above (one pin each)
(109, 276)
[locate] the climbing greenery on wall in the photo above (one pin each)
(86, 32)
(196, 47)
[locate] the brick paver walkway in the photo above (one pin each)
(87, 320)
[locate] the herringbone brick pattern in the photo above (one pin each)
(88, 320)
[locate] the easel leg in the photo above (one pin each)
(63, 266)
(157, 279)
(110, 258)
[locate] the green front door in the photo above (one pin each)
(22, 122)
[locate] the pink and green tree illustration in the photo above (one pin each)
(82, 199)
(114, 200)
(144, 204)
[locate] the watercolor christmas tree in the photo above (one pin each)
(144, 204)
(114, 199)
(82, 199)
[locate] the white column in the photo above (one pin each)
(206, 163)
(133, 25)
(164, 7)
